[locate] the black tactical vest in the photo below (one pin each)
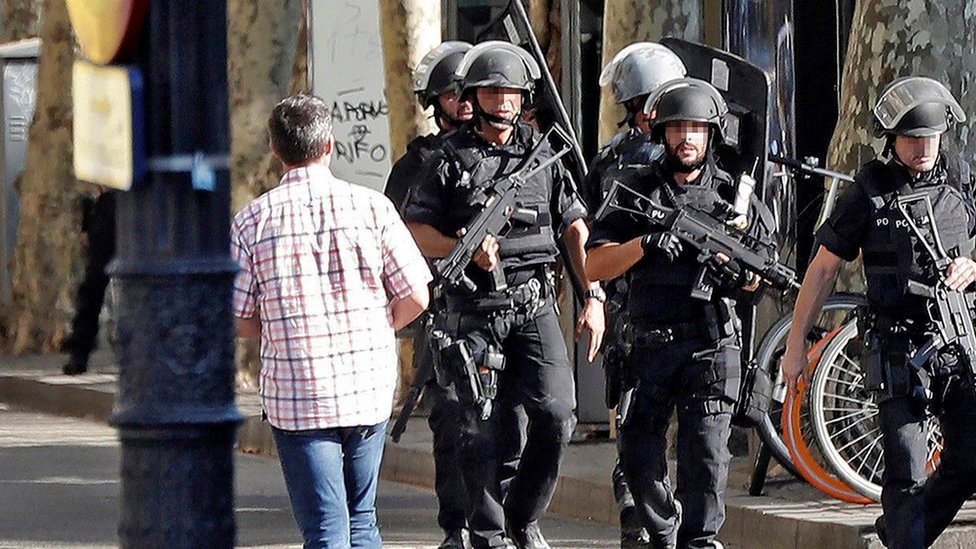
(626, 151)
(476, 164)
(403, 177)
(892, 253)
(661, 290)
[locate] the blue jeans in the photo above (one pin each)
(331, 475)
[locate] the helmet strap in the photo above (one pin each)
(492, 119)
(889, 148)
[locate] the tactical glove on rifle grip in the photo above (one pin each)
(727, 275)
(662, 243)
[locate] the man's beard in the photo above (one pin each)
(678, 165)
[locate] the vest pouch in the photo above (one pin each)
(718, 384)
(887, 370)
(755, 395)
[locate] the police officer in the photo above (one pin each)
(510, 337)
(435, 87)
(684, 349)
(434, 84)
(633, 74)
(912, 115)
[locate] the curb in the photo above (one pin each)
(751, 522)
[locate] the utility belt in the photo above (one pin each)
(899, 358)
(719, 322)
(639, 334)
(883, 324)
(526, 297)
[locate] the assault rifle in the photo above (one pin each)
(951, 311)
(499, 205)
(705, 233)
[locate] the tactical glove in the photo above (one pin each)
(727, 275)
(664, 243)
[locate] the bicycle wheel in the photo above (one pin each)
(844, 418)
(800, 440)
(770, 351)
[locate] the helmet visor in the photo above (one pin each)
(606, 77)
(423, 70)
(904, 95)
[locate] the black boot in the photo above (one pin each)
(77, 364)
(456, 539)
(529, 537)
(879, 526)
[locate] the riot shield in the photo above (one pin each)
(745, 88)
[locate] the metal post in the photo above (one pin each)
(175, 410)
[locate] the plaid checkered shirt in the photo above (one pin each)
(321, 260)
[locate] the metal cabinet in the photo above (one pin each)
(18, 95)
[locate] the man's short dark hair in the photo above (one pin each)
(299, 128)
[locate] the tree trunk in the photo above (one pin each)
(18, 19)
(47, 258)
(410, 29)
(544, 16)
(260, 58)
(266, 60)
(629, 21)
(889, 40)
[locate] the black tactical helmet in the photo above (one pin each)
(497, 64)
(434, 74)
(687, 99)
(916, 106)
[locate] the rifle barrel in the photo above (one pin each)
(799, 166)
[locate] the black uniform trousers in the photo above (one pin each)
(918, 507)
(100, 226)
(537, 380)
(691, 376)
(443, 421)
(445, 424)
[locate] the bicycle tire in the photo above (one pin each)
(806, 464)
(844, 418)
(768, 355)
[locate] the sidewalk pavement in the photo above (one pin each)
(791, 516)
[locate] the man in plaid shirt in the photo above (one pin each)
(328, 273)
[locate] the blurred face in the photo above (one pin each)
(687, 141)
(918, 154)
(501, 102)
(641, 121)
(454, 107)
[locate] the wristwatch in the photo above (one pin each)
(597, 294)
